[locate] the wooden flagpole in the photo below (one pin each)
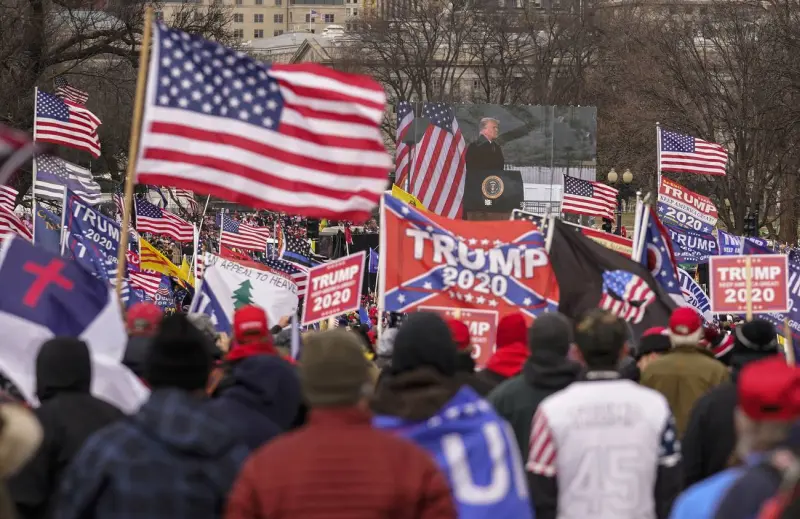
(748, 278)
(788, 344)
(133, 149)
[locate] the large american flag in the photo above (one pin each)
(403, 155)
(237, 235)
(686, 154)
(588, 197)
(69, 93)
(66, 123)
(626, 295)
(150, 218)
(438, 171)
(301, 139)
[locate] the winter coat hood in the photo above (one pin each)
(551, 374)
(181, 422)
(414, 395)
(63, 365)
(508, 361)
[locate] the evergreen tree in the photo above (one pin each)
(243, 295)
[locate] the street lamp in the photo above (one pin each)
(622, 192)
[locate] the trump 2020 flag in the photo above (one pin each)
(695, 296)
(373, 261)
(478, 452)
(45, 296)
(656, 254)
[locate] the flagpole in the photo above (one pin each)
(637, 223)
(658, 157)
(133, 149)
(221, 226)
(381, 268)
(64, 222)
(195, 245)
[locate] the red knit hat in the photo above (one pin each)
(460, 332)
(685, 327)
(769, 389)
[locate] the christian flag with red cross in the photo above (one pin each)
(46, 296)
(435, 261)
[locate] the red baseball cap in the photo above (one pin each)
(769, 390)
(250, 324)
(460, 332)
(142, 319)
(685, 327)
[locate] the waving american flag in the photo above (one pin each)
(626, 295)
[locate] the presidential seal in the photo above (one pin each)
(492, 187)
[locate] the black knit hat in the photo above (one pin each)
(178, 356)
(754, 340)
(424, 339)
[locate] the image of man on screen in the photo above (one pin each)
(485, 154)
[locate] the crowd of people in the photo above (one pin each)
(565, 421)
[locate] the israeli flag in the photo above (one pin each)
(477, 450)
(45, 296)
(695, 295)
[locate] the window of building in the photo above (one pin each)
(239, 2)
(238, 18)
(258, 33)
(238, 34)
(355, 12)
(277, 32)
(328, 18)
(259, 2)
(308, 18)
(278, 3)
(258, 18)
(159, 15)
(277, 18)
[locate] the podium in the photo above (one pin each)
(492, 194)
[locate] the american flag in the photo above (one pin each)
(16, 149)
(437, 175)
(147, 280)
(239, 235)
(54, 174)
(185, 199)
(66, 123)
(8, 198)
(69, 93)
(297, 251)
(626, 295)
(588, 197)
(301, 139)
(10, 223)
(686, 154)
(119, 199)
(200, 265)
(403, 155)
(296, 274)
(150, 218)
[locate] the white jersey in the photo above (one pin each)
(603, 442)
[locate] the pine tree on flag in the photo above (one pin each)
(243, 295)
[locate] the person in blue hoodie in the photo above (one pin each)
(768, 401)
(262, 400)
(172, 459)
(420, 398)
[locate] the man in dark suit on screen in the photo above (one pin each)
(485, 154)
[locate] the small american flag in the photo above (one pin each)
(297, 251)
(185, 199)
(150, 218)
(402, 158)
(147, 280)
(200, 265)
(686, 154)
(119, 199)
(16, 149)
(588, 197)
(69, 93)
(241, 235)
(53, 175)
(301, 139)
(626, 295)
(292, 271)
(66, 123)
(8, 198)
(437, 174)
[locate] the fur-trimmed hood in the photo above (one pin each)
(20, 436)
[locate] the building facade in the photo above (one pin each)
(259, 19)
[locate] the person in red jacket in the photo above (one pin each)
(338, 464)
(512, 350)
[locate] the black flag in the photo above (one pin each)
(592, 276)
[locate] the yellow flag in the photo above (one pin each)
(186, 270)
(151, 258)
(407, 198)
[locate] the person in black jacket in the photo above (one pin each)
(69, 414)
(485, 154)
(710, 435)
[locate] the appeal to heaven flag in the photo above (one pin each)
(45, 296)
(228, 285)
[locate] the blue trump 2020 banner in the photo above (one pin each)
(478, 452)
(691, 246)
(89, 234)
